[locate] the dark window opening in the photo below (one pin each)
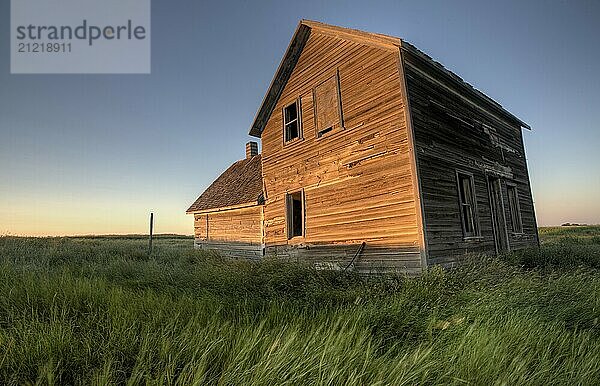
(295, 214)
(466, 195)
(291, 122)
(323, 132)
(515, 210)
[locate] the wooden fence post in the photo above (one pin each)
(150, 239)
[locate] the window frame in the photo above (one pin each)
(515, 230)
(326, 132)
(298, 103)
(290, 215)
(476, 233)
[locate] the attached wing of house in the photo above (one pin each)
(228, 214)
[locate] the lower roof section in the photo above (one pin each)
(238, 186)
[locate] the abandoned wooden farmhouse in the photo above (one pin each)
(374, 153)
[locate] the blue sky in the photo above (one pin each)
(84, 154)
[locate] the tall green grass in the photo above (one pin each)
(100, 311)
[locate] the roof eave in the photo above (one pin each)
(287, 63)
(225, 208)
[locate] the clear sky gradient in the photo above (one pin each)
(83, 154)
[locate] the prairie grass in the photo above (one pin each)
(101, 311)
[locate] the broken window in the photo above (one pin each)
(328, 107)
(515, 211)
(466, 195)
(291, 121)
(295, 214)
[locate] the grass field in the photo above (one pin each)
(100, 311)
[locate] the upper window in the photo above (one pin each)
(295, 214)
(328, 107)
(291, 121)
(466, 193)
(515, 211)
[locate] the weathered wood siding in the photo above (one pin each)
(452, 134)
(235, 233)
(357, 180)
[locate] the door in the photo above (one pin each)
(498, 217)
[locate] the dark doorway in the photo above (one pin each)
(498, 217)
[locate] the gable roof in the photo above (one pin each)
(240, 184)
(303, 31)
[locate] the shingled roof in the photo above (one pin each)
(240, 184)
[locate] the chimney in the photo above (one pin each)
(251, 149)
